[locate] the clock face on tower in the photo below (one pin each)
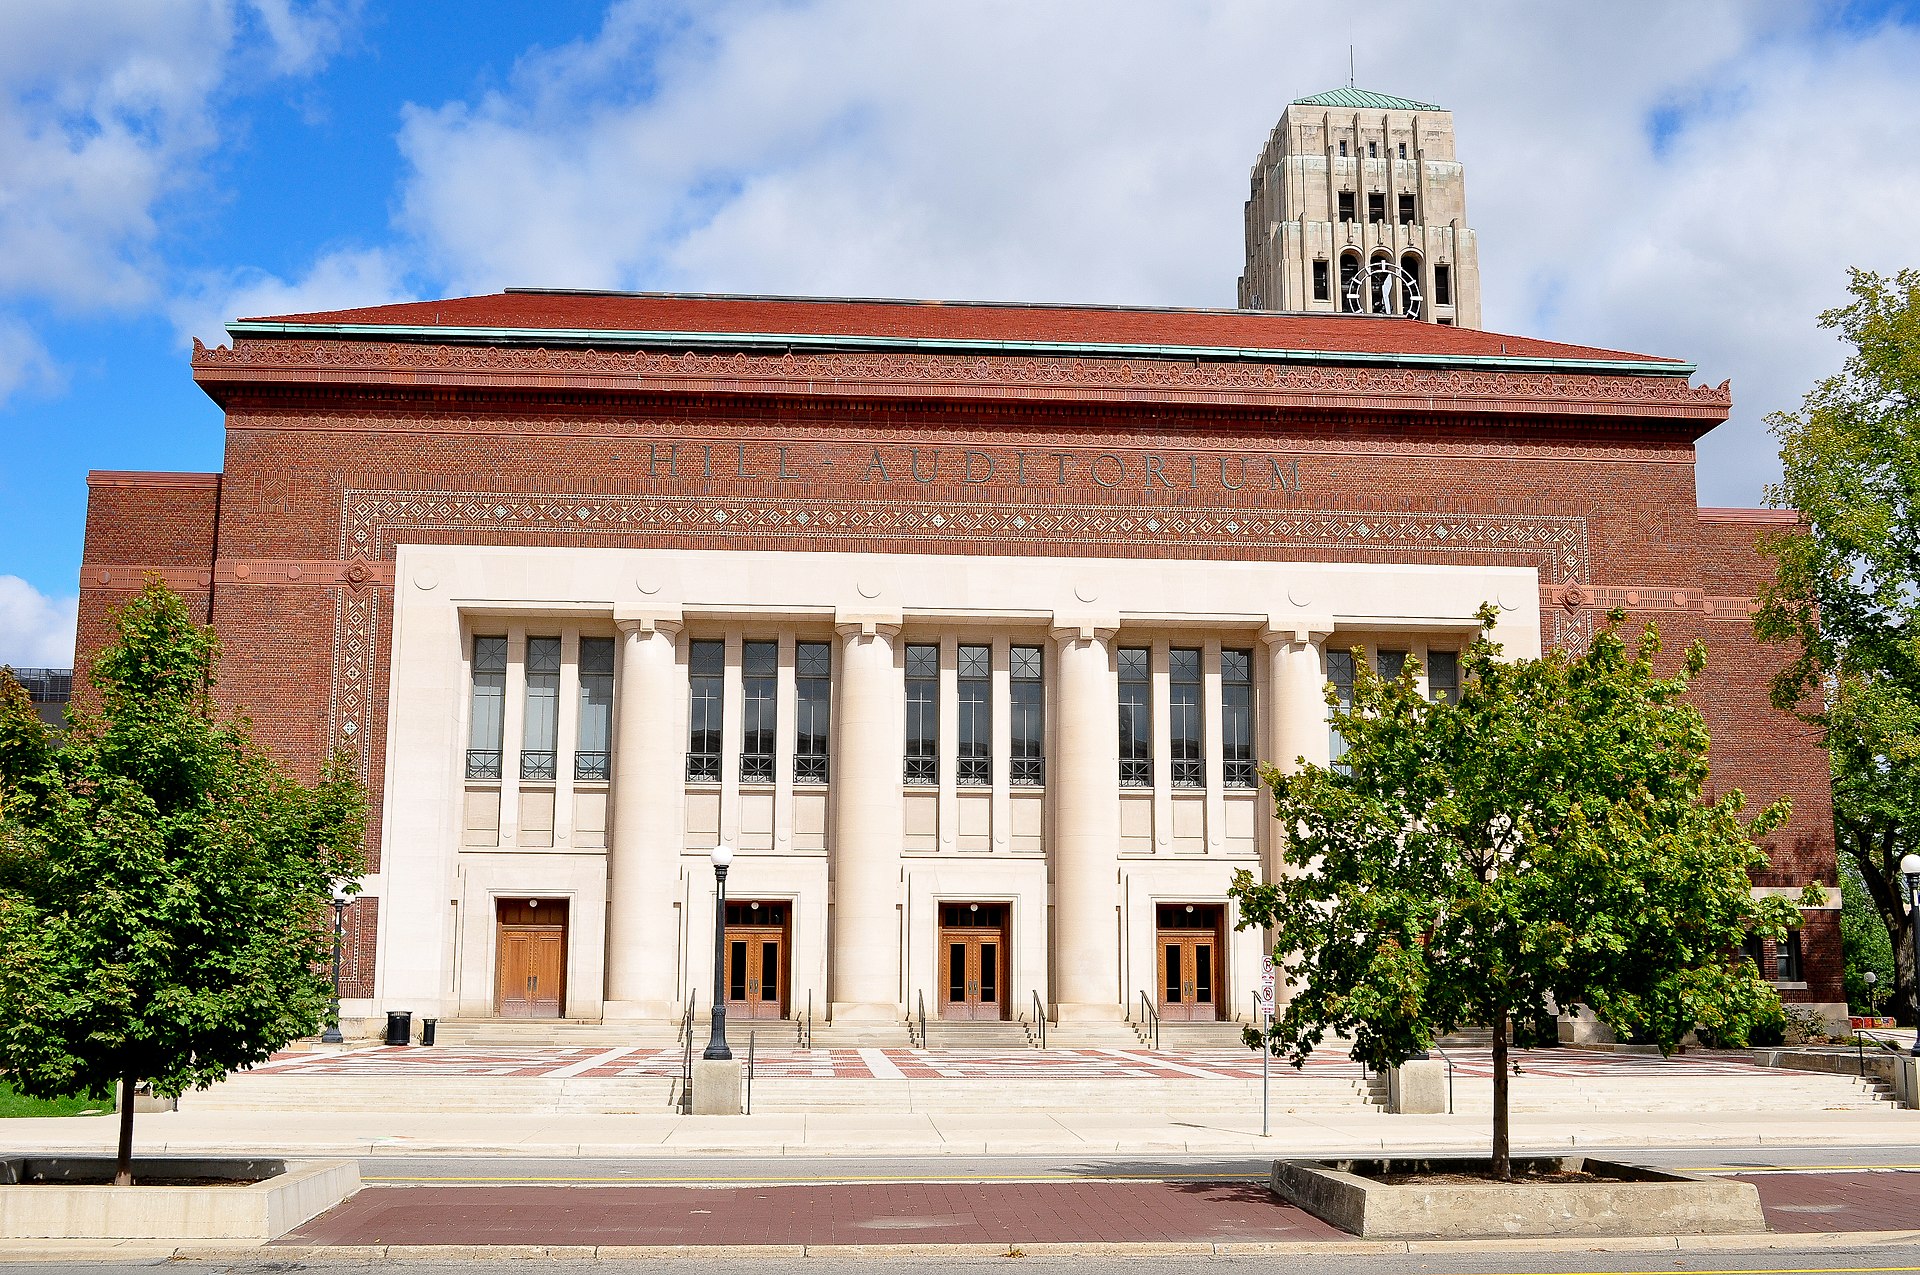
(1383, 288)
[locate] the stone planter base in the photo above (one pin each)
(1633, 1201)
(69, 1197)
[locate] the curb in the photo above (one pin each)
(88, 1250)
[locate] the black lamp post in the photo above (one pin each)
(1910, 872)
(722, 856)
(342, 895)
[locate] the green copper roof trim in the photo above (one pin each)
(1366, 100)
(447, 334)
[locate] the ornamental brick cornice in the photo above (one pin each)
(336, 366)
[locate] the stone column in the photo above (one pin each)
(649, 796)
(1296, 726)
(863, 963)
(1084, 782)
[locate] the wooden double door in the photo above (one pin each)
(757, 945)
(530, 970)
(1190, 947)
(973, 960)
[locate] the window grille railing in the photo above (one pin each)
(483, 763)
(810, 770)
(592, 765)
(923, 771)
(975, 772)
(1028, 772)
(756, 768)
(1136, 774)
(536, 763)
(1189, 773)
(1241, 774)
(703, 768)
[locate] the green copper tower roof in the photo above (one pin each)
(1366, 100)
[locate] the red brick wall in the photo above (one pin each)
(161, 523)
(293, 454)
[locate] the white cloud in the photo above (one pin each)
(1099, 152)
(106, 109)
(337, 280)
(25, 364)
(36, 631)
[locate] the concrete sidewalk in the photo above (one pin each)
(303, 1134)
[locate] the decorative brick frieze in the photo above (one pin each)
(318, 365)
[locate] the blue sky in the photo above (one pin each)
(1690, 180)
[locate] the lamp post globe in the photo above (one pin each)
(1910, 873)
(722, 857)
(343, 892)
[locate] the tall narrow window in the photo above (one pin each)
(1136, 719)
(1410, 290)
(1376, 205)
(1322, 288)
(706, 683)
(593, 743)
(812, 695)
(1340, 674)
(1442, 284)
(1380, 285)
(976, 716)
(1184, 719)
(1403, 150)
(1346, 206)
(1343, 150)
(1406, 210)
(1028, 707)
(1443, 676)
(1350, 298)
(1236, 718)
(542, 727)
(1373, 150)
(1389, 663)
(1786, 958)
(759, 683)
(923, 715)
(488, 719)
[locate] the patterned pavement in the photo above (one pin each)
(597, 1062)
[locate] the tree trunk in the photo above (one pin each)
(1502, 1166)
(123, 1164)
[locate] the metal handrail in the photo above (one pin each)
(1148, 1014)
(1444, 1057)
(1040, 1019)
(750, 1061)
(809, 1044)
(686, 1056)
(921, 998)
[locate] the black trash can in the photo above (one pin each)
(399, 1026)
(426, 1030)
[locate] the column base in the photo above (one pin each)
(865, 1012)
(1084, 1012)
(717, 1083)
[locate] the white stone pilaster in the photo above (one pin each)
(1084, 784)
(864, 959)
(648, 806)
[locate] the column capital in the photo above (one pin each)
(647, 619)
(1302, 630)
(872, 624)
(1084, 628)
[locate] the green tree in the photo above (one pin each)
(1847, 590)
(163, 882)
(1543, 842)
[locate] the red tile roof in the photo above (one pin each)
(954, 321)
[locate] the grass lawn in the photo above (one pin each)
(12, 1103)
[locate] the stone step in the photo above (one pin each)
(1093, 1036)
(652, 1034)
(944, 1034)
(954, 1097)
(643, 1095)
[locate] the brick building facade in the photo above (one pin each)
(961, 623)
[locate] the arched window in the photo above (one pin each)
(1380, 287)
(1349, 271)
(1410, 296)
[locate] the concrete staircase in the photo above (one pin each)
(1217, 1035)
(515, 1095)
(1770, 1091)
(1215, 1098)
(985, 1036)
(530, 1032)
(890, 1035)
